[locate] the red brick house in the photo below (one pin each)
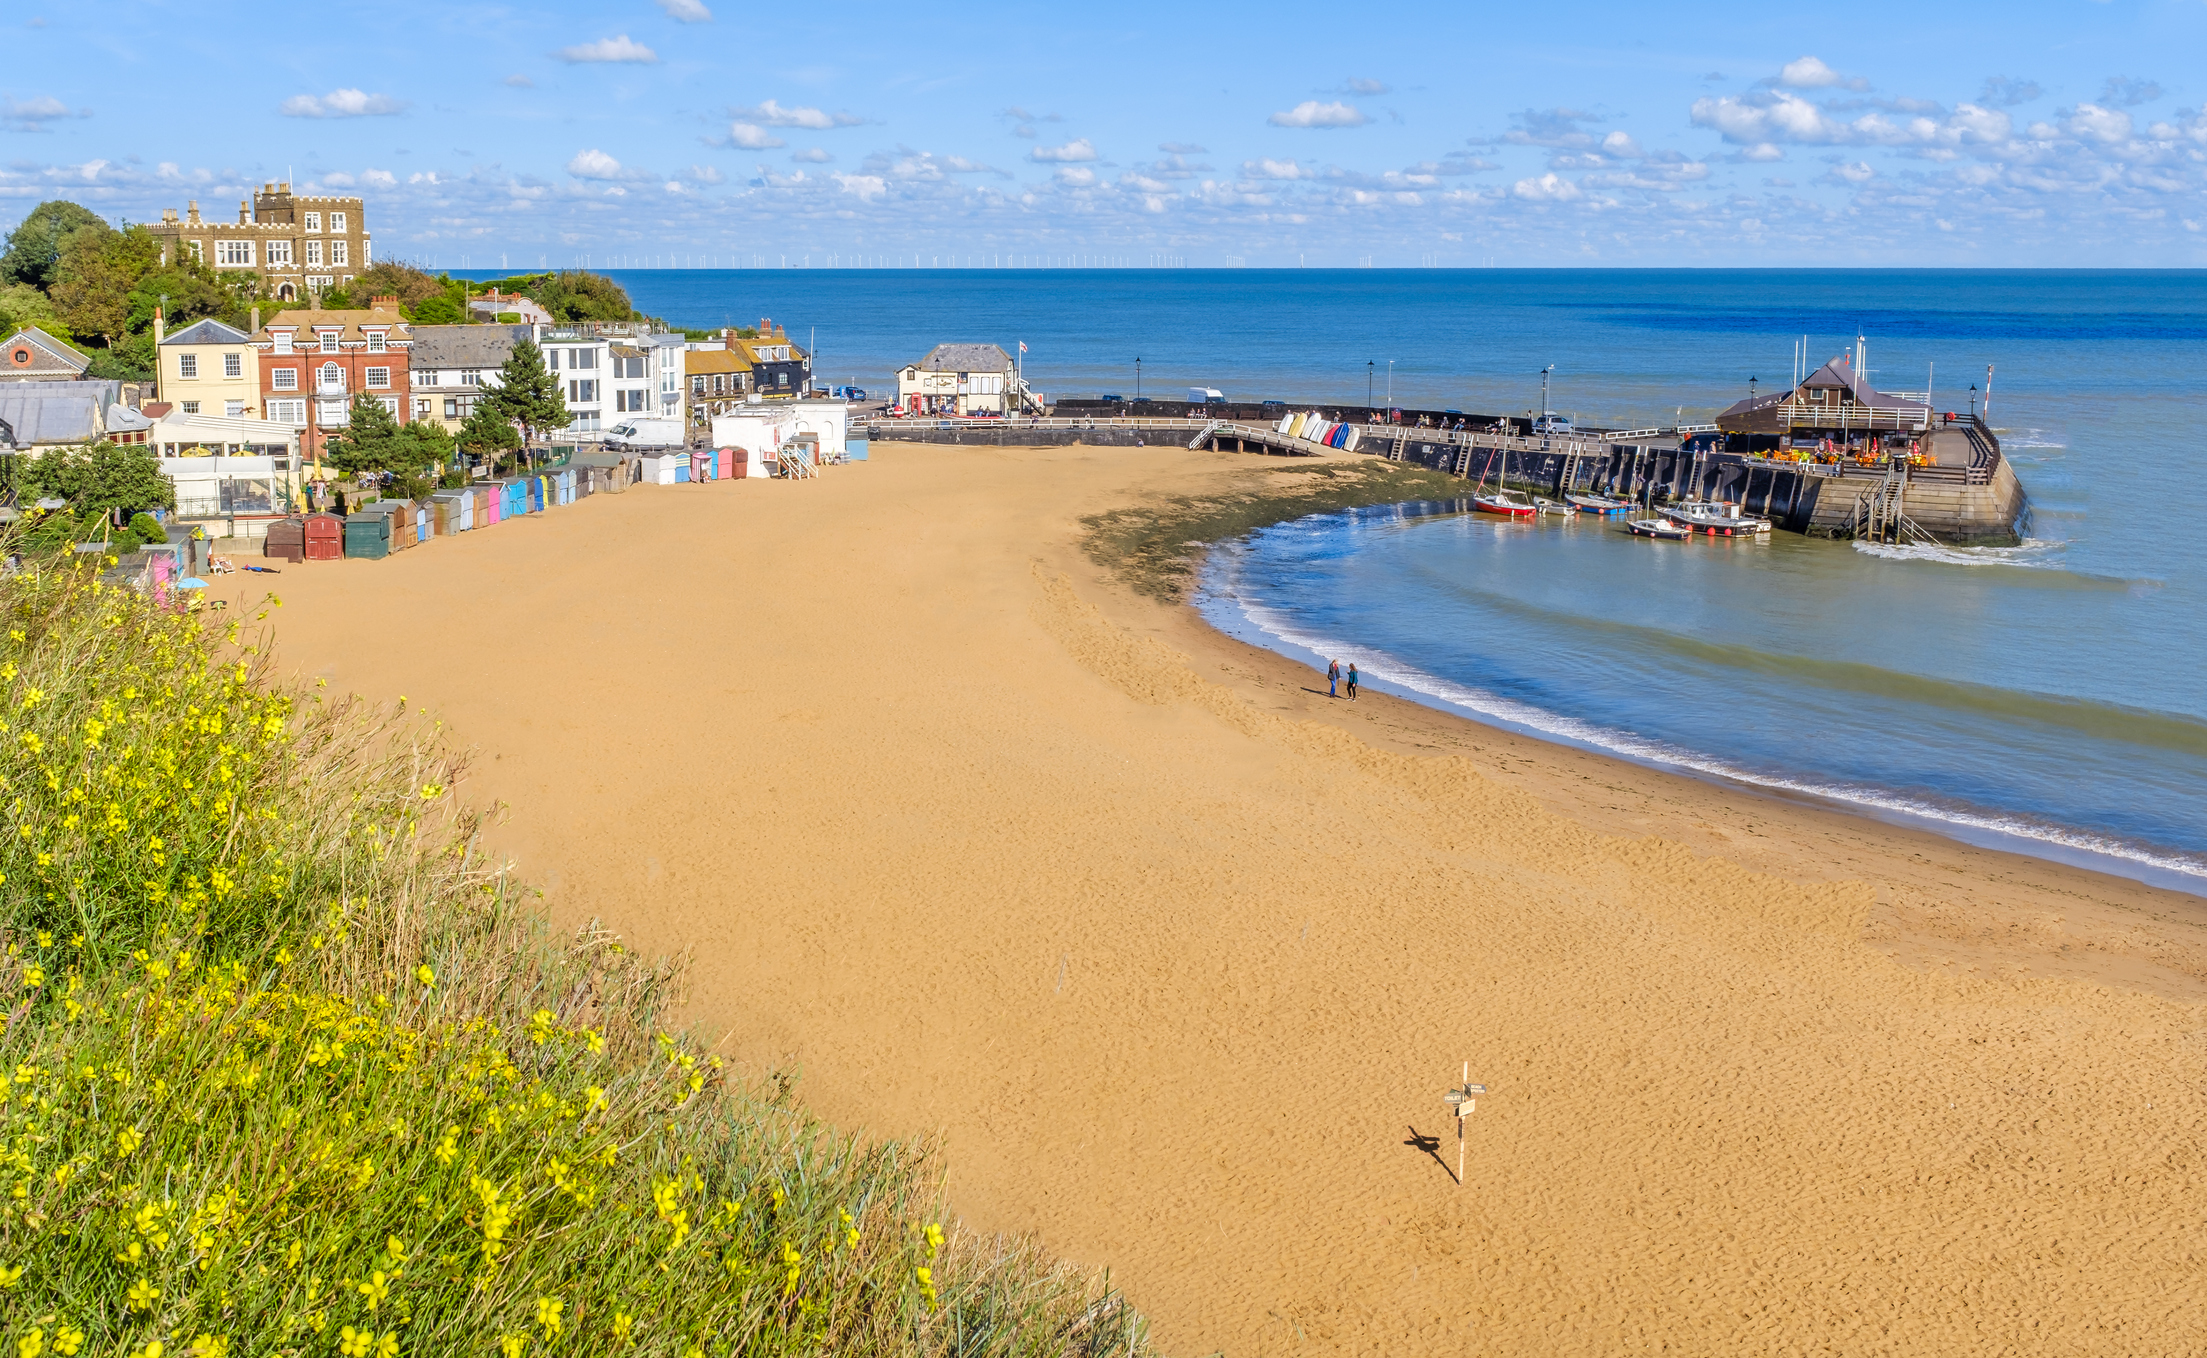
(314, 362)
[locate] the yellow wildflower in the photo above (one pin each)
(424, 975)
(375, 1289)
(354, 1343)
(142, 1295)
(547, 1315)
(127, 1140)
(511, 1345)
(387, 1346)
(33, 977)
(31, 1345)
(623, 1323)
(67, 1341)
(9, 1277)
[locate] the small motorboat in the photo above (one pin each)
(1597, 504)
(1503, 505)
(1717, 520)
(1547, 506)
(1657, 528)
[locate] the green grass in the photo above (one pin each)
(292, 1068)
(1154, 546)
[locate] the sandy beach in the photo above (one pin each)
(1177, 956)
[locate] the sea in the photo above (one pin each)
(2048, 697)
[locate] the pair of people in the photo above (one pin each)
(1334, 677)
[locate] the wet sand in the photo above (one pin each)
(1178, 956)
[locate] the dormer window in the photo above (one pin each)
(375, 341)
(283, 341)
(329, 341)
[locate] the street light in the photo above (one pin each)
(1370, 368)
(1973, 400)
(1544, 420)
(1137, 379)
(1390, 384)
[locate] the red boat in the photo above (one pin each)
(1503, 505)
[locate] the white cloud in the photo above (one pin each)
(866, 187)
(1774, 119)
(1359, 85)
(618, 49)
(338, 180)
(1809, 73)
(771, 114)
(752, 137)
(1182, 148)
(1274, 169)
(2090, 122)
(1854, 172)
(1548, 188)
(706, 174)
(1075, 176)
(1075, 150)
(1311, 113)
(520, 81)
(811, 155)
(342, 104)
(596, 164)
(686, 11)
(379, 179)
(1621, 145)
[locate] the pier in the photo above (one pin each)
(1967, 494)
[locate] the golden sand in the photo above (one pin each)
(1177, 956)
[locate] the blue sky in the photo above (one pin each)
(625, 131)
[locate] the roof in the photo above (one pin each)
(965, 358)
(36, 419)
(121, 419)
(751, 348)
(56, 353)
(1836, 375)
(209, 331)
(459, 346)
(307, 322)
(715, 361)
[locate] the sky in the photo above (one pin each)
(694, 132)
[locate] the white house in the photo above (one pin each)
(960, 379)
(583, 361)
(233, 475)
(759, 430)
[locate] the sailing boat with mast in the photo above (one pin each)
(1500, 501)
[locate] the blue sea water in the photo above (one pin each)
(2048, 697)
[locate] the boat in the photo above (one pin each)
(1547, 506)
(1717, 520)
(1597, 504)
(1503, 505)
(1657, 528)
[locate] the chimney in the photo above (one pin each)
(160, 326)
(256, 320)
(389, 303)
(192, 205)
(244, 212)
(727, 338)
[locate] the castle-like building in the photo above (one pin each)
(300, 245)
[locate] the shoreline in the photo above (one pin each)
(1171, 954)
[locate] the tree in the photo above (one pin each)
(21, 305)
(489, 435)
(441, 309)
(410, 283)
(34, 247)
(101, 477)
(99, 267)
(576, 295)
(527, 394)
(129, 359)
(371, 442)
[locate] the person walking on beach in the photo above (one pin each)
(1333, 678)
(1352, 681)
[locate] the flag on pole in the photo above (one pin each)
(1023, 346)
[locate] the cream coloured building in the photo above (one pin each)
(208, 368)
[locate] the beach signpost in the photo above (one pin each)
(1463, 1098)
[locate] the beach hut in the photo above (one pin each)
(516, 492)
(286, 540)
(324, 537)
(368, 534)
(701, 465)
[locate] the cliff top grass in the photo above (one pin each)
(292, 1068)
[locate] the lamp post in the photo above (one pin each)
(1973, 400)
(1544, 404)
(1137, 378)
(1390, 384)
(1370, 368)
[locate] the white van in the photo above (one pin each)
(645, 431)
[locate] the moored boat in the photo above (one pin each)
(1657, 528)
(1596, 504)
(1717, 520)
(1503, 505)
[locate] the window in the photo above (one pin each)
(697, 385)
(422, 408)
(233, 365)
(329, 412)
(283, 379)
(314, 223)
(585, 391)
(720, 384)
(471, 378)
(379, 378)
(198, 254)
(191, 407)
(337, 223)
(233, 253)
(338, 256)
(627, 402)
(451, 408)
(279, 253)
(333, 377)
(389, 403)
(314, 253)
(329, 341)
(283, 340)
(582, 358)
(187, 365)
(628, 367)
(233, 409)
(293, 413)
(375, 341)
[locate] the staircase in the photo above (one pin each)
(1879, 514)
(793, 461)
